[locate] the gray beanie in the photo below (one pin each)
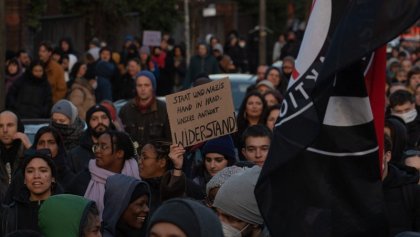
(192, 217)
(220, 178)
(266, 83)
(218, 47)
(67, 108)
(236, 196)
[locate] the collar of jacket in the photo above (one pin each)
(152, 108)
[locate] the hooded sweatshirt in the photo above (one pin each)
(62, 215)
(118, 191)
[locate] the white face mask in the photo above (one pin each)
(409, 116)
(229, 231)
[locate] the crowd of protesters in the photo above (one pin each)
(96, 171)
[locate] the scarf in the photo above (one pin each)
(71, 133)
(96, 188)
(144, 107)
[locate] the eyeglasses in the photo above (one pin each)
(99, 147)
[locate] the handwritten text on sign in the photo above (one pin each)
(201, 113)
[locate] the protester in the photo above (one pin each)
(272, 97)
(24, 59)
(237, 207)
(288, 66)
(13, 143)
(68, 215)
(13, 72)
(402, 104)
(81, 92)
(65, 118)
(218, 153)
(39, 184)
(146, 62)
(256, 140)
(180, 66)
(115, 119)
(263, 86)
(218, 180)
(114, 153)
(184, 218)
(98, 121)
(55, 73)
(273, 113)
(275, 76)
(401, 193)
(395, 128)
(413, 78)
(201, 62)
(126, 207)
(145, 117)
(411, 158)
(126, 88)
(30, 95)
(154, 165)
(104, 72)
(251, 112)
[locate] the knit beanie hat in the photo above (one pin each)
(67, 108)
(221, 145)
(94, 109)
(193, 218)
(236, 196)
(149, 75)
(219, 179)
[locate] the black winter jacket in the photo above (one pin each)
(402, 198)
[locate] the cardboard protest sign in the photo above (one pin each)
(201, 113)
(151, 38)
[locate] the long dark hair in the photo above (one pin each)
(57, 137)
(31, 67)
(242, 120)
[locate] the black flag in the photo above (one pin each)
(322, 175)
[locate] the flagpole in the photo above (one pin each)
(2, 54)
(262, 34)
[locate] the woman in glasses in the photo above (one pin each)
(114, 153)
(39, 184)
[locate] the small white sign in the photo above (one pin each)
(151, 38)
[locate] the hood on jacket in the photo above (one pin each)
(118, 191)
(62, 215)
(398, 137)
(399, 175)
